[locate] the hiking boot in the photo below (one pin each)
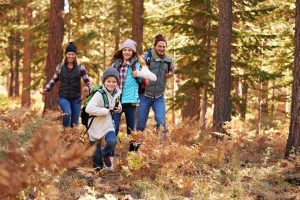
(97, 169)
(134, 146)
(97, 162)
(107, 162)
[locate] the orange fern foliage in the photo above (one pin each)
(27, 167)
(13, 119)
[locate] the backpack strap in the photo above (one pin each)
(138, 80)
(105, 98)
(89, 125)
(106, 104)
(148, 57)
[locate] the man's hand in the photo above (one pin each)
(44, 92)
(169, 74)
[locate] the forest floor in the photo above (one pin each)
(40, 160)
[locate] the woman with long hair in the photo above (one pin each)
(131, 72)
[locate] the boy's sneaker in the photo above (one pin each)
(107, 162)
(112, 163)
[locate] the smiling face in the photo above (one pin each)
(71, 57)
(111, 83)
(127, 53)
(160, 48)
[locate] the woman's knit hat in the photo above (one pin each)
(110, 72)
(129, 43)
(71, 48)
(158, 38)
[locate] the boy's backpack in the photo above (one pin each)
(84, 115)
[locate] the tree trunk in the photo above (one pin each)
(205, 88)
(236, 100)
(25, 100)
(55, 53)
(222, 104)
(10, 53)
(272, 110)
(293, 141)
(138, 23)
(258, 119)
(18, 57)
(244, 99)
(264, 99)
(117, 32)
(192, 107)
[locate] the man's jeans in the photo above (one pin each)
(159, 108)
(130, 114)
(111, 141)
(71, 110)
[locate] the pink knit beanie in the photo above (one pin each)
(129, 43)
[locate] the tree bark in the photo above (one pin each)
(138, 23)
(264, 100)
(222, 101)
(244, 99)
(117, 32)
(205, 88)
(258, 117)
(293, 141)
(18, 57)
(192, 107)
(10, 53)
(55, 52)
(25, 99)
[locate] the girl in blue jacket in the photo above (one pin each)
(126, 61)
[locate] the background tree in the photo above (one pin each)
(138, 23)
(293, 142)
(25, 100)
(55, 53)
(222, 100)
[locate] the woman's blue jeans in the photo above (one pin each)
(71, 111)
(130, 114)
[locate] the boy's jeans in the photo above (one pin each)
(130, 114)
(71, 110)
(159, 108)
(111, 141)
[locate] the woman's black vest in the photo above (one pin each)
(69, 82)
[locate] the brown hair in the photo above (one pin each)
(118, 54)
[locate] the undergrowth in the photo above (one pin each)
(53, 163)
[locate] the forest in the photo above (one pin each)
(232, 105)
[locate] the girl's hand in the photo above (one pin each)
(134, 73)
